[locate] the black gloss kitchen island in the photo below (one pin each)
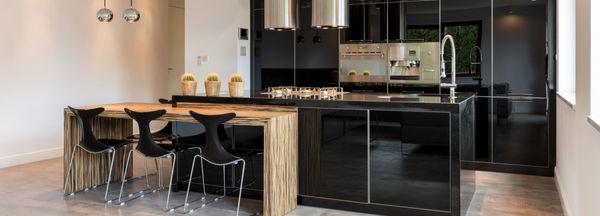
(395, 154)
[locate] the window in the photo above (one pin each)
(467, 36)
(566, 50)
(425, 33)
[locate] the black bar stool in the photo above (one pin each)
(164, 134)
(161, 136)
(149, 149)
(91, 145)
(214, 153)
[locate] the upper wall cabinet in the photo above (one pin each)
(380, 21)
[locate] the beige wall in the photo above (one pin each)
(211, 29)
(578, 143)
(54, 53)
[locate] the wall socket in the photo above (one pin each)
(202, 60)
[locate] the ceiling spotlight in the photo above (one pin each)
(131, 15)
(104, 14)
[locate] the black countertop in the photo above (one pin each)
(348, 100)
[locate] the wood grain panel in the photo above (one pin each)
(281, 164)
(92, 169)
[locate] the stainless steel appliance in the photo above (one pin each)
(294, 92)
(404, 63)
(414, 63)
(363, 63)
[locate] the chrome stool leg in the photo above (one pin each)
(202, 170)
(69, 172)
(241, 185)
(224, 184)
(187, 193)
(173, 159)
(112, 162)
(146, 172)
(126, 164)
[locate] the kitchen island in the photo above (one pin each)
(395, 154)
(280, 145)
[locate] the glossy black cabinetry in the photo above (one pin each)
(409, 155)
(387, 156)
(333, 154)
(514, 78)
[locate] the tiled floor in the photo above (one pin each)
(36, 189)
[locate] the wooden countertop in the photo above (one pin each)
(246, 114)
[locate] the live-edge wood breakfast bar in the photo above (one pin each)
(280, 144)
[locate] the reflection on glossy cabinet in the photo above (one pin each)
(409, 159)
(333, 154)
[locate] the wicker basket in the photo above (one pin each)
(212, 88)
(236, 89)
(188, 88)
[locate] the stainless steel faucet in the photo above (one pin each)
(452, 85)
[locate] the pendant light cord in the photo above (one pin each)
(104, 3)
(131, 3)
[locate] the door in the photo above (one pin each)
(409, 159)
(333, 154)
(520, 107)
(176, 47)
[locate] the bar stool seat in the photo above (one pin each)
(214, 153)
(164, 134)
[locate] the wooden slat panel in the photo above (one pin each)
(281, 163)
(93, 169)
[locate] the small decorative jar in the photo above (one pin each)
(212, 85)
(188, 84)
(236, 86)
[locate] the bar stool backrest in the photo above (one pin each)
(213, 149)
(88, 139)
(146, 144)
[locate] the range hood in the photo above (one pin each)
(330, 14)
(281, 14)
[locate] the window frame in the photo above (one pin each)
(479, 25)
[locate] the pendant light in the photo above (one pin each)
(104, 14)
(281, 15)
(131, 15)
(330, 14)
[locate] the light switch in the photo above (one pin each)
(202, 60)
(243, 51)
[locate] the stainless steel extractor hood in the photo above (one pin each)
(281, 14)
(330, 14)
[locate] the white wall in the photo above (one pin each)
(54, 53)
(578, 143)
(211, 29)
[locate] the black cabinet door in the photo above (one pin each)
(356, 31)
(333, 154)
(520, 132)
(409, 159)
(376, 22)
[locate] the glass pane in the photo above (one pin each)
(409, 154)
(333, 154)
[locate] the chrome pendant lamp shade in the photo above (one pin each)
(281, 14)
(131, 15)
(104, 14)
(330, 14)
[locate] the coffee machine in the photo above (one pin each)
(414, 63)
